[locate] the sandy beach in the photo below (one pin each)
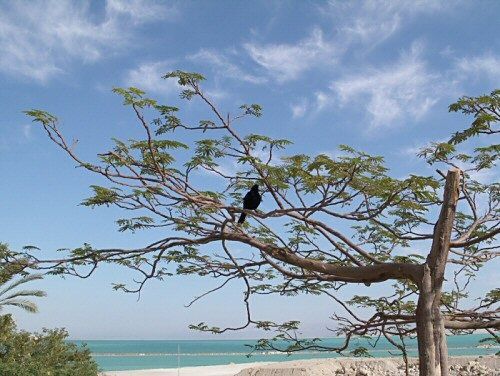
(222, 370)
(459, 366)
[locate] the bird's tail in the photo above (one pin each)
(242, 218)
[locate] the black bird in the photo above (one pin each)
(251, 201)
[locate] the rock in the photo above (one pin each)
(341, 371)
(474, 368)
(362, 372)
(462, 366)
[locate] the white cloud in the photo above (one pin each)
(405, 89)
(369, 22)
(299, 109)
(373, 21)
(487, 65)
(486, 176)
(148, 77)
(263, 155)
(27, 131)
(319, 101)
(225, 167)
(216, 93)
(224, 66)
(141, 11)
(372, 25)
(286, 62)
(39, 38)
(322, 99)
(412, 151)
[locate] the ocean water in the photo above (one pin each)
(147, 354)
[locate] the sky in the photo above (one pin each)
(376, 75)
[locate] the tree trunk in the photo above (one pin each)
(443, 347)
(432, 348)
(441, 359)
(425, 328)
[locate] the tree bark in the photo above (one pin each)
(432, 348)
(443, 347)
(425, 327)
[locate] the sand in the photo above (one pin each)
(459, 366)
(222, 370)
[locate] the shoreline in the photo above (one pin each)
(463, 365)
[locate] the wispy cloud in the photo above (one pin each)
(485, 65)
(406, 89)
(416, 147)
(38, 39)
(224, 67)
(369, 22)
(373, 21)
(27, 131)
(299, 109)
(148, 77)
(141, 11)
(285, 62)
(486, 176)
(319, 101)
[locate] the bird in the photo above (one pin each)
(251, 201)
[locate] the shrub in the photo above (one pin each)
(37, 354)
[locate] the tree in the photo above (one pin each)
(334, 222)
(9, 294)
(46, 353)
(23, 353)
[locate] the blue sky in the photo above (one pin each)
(375, 75)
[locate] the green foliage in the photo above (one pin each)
(361, 352)
(102, 196)
(41, 354)
(188, 79)
(485, 157)
(252, 109)
(346, 211)
(10, 295)
(12, 277)
(157, 145)
(207, 152)
(437, 151)
(167, 120)
(12, 263)
(185, 78)
(202, 327)
(134, 97)
(134, 224)
(253, 140)
(283, 341)
(493, 296)
(486, 112)
(398, 303)
(41, 116)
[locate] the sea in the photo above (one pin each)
(117, 355)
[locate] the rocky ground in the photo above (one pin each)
(459, 366)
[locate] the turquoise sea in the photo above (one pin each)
(146, 354)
